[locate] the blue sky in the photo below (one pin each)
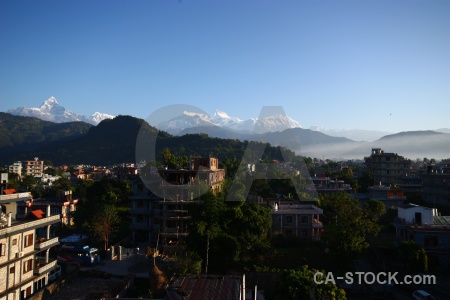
(379, 65)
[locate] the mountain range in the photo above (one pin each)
(277, 129)
(50, 110)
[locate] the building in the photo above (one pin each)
(34, 167)
(16, 168)
(436, 185)
(159, 205)
(391, 196)
(386, 168)
(297, 220)
(427, 228)
(62, 204)
(24, 248)
(226, 287)
(323, 184)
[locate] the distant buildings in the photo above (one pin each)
(34, 167)
(16, 168)
(323, 184)
(386, 168)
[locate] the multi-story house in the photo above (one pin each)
(24, 248)
(62, 204)
(159, 207)
(436, 185)
(297, 220)
(391, 196)
(16, 168)
(323, 184)
(34, 167)
(428, 229)
(386, 168)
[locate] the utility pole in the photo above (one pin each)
(207, 254)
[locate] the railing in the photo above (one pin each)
(46, 244)
(45, 268)
(30, 224)
(15, 196)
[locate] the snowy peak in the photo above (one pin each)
(49, 104)
(50, 110)
(277, 122)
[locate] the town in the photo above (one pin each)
(191, 227)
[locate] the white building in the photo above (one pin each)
(34, 167)
(24, 253)
(16, 168)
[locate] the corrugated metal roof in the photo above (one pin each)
(441, 220)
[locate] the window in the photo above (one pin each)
(27, 266)
(289, 219)
(305, 219)
(28, 240)
(12, 270)
(14, 242)
(2, 249)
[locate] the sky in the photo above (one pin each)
(375, 65)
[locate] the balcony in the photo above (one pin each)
(27, 225)
(16, 196)
(42, 267)
(45, 244)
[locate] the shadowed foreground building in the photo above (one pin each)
(159, 207)
(24, 248)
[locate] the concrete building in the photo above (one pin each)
(62, 204)
(386, 168)
(297, 220)
(323, 184)
(436, 185)
(16, 168)
(427, 228)
(391, 196)
(159, 206)
(24, 248)
(34, 167)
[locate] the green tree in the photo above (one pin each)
(299, 283)
(414, 257)
(104, 224)
(29, 181)
(346, 224)
(374, 209)
(62, 184)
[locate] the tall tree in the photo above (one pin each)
(104, 223)
(346, 224)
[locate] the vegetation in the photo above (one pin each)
(348, 225)
(299, 284)
(236, 232)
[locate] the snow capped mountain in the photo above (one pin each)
(50, 110)
(219, 118)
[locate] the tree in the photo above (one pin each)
(299, 284)
(28, 181)
(62, 184)
(374, 209)
(346, 224)
(104, 223)
(414, 256)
